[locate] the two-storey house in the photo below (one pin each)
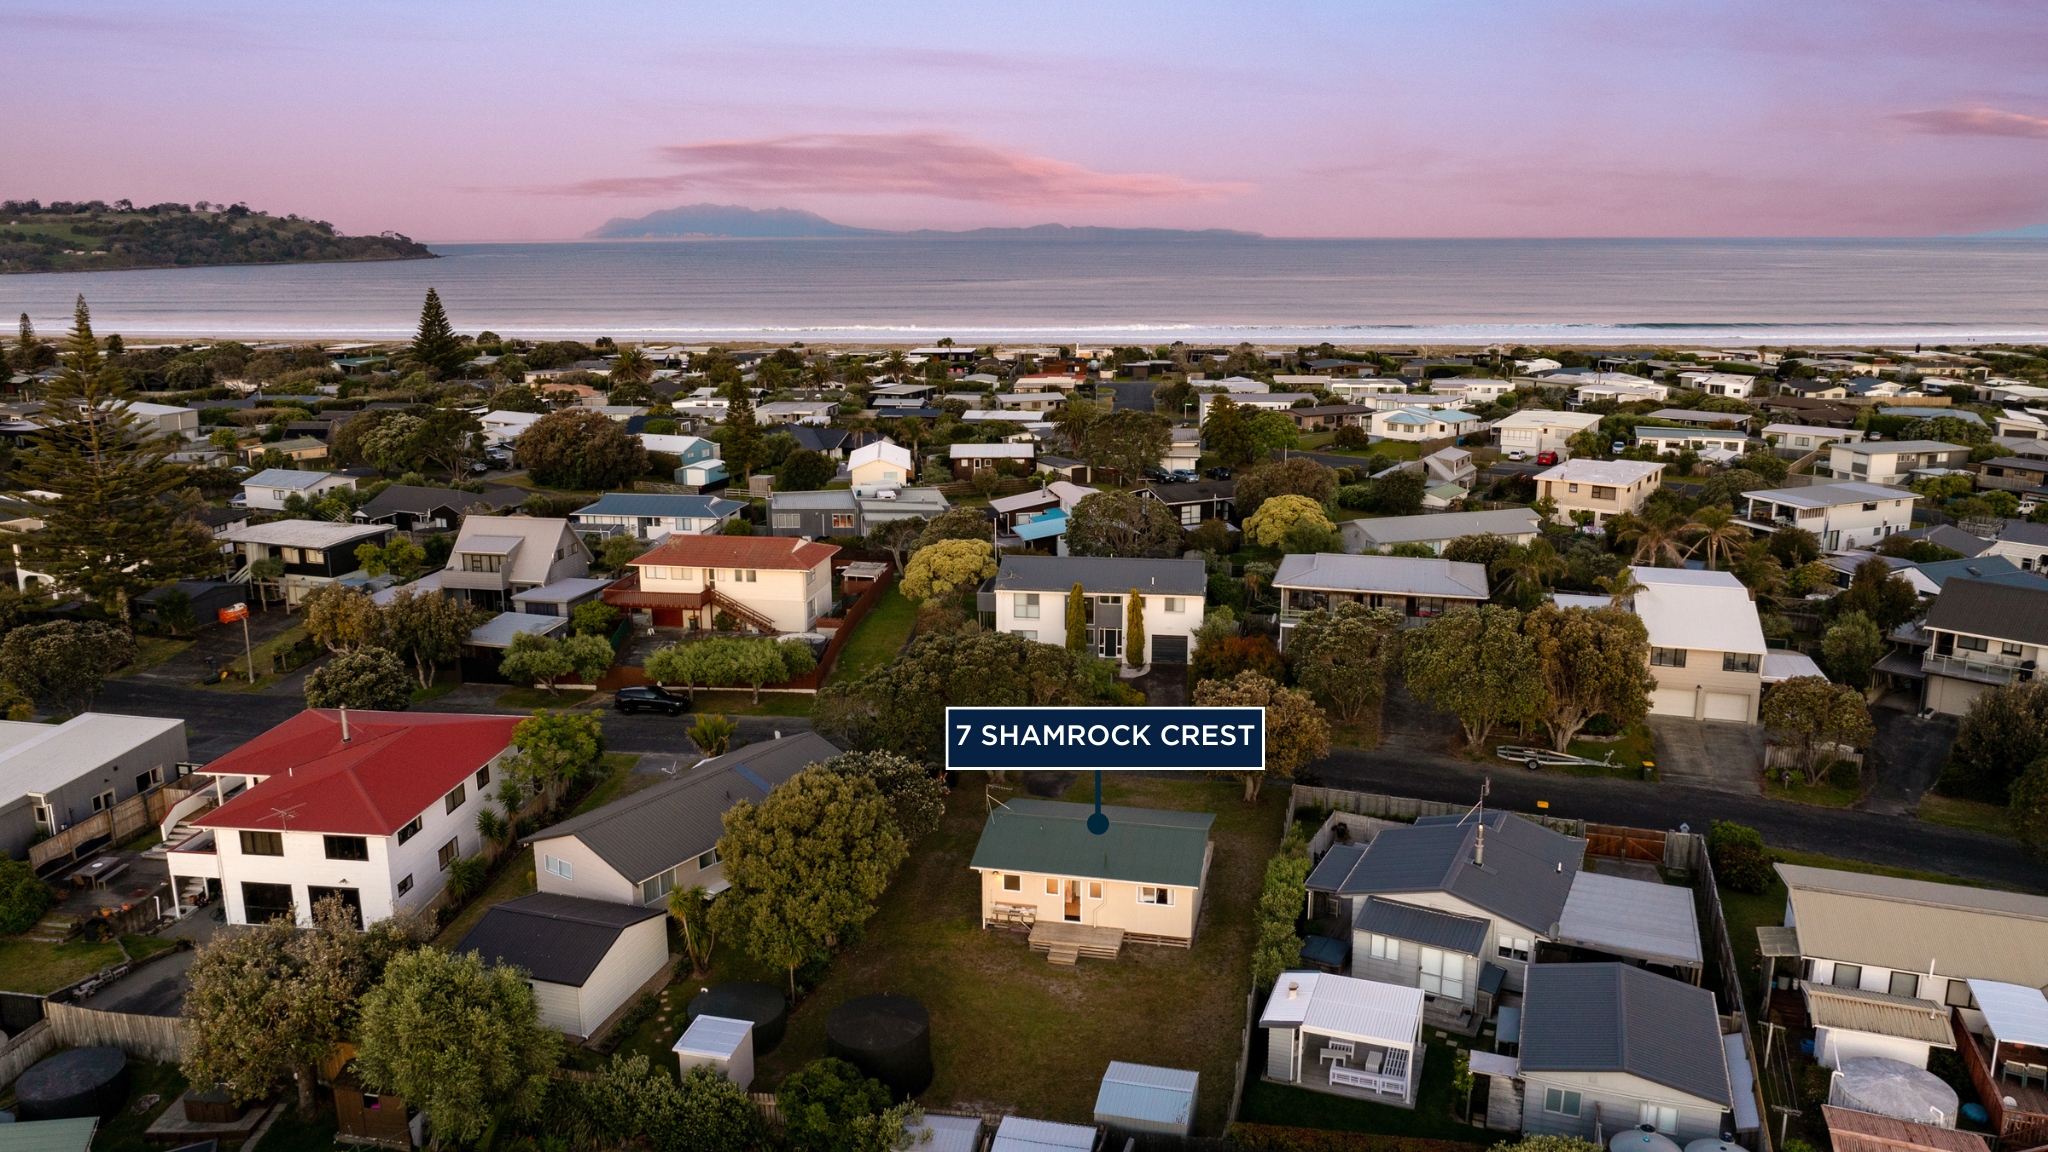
(653, 515)
(1733, 384)
(1892, 461)
(1845, 515)
(771, 584)
(1600, 488)
(1791, 441)
(267, 490)
(1260, 401)
(1419, 588)
(497, 557)
(698, 459)
(1706, 644)
(371, 808)
(414, 509)
(1981, 634)
(1515, 525)
(880, 466)
(1534, 430)
(1029, 599)
(313, 552)
(1672, 441)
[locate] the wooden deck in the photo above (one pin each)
(1065, 943)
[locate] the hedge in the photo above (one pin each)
(1273, 1138)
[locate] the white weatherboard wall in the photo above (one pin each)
(640, 951)
(793, 599)
(587, 875)
(1164, 616)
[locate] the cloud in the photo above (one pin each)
(1976, 122)
(901, 164)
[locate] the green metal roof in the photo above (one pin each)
(1143, 845)
(48, 1135)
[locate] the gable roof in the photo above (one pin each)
(1192, 491)
(540, 535)
(1908, 925)
(412, 498)
(1429, 926)
(1952, 537)
(286, 478)
(1526, 877)
(557, 939)
(1143, 845)
(1398, 575)
(393, 766)
(1590, 471)
(1619, 1018)
(1543, 417)
(1443, 526)
(785, 553)
(1992, 609)
(879, 451)
(1102, 575)
(658, 828)
(660, 504)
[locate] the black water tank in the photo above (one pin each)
(745, 1000)
(69, 1085)
(886, 1036)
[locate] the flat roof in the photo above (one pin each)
(715, 1036)
(498, 631)
(2017, 1014)
(1887, 447)
(1832, 495)
(1615, 472)
(303, 533)
(1143, 1092)
(286, 478)
(1706, 610)
(38, 758)
(1635, 918)
(562, 590)
(1400, 575)
(1345, 1006)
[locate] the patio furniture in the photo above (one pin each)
(2012, 1071)
(2040, 1073)
(1344, 1046)
(1373, 1060)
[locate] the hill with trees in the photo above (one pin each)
(92, 235)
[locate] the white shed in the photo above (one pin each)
(721, 1042)
(1018, 1134)
(584, 958)
(1141, 1098)
(938, 1133)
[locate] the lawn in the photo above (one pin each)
(535, 699)
(1432, 1117)
(1634, 749)
(880, 635)
(151, 651)
(741, 703)
(141, 946)
(124, 1132)
(618, 781)
(29, 966)
(1972, 814)
(261, 653)
(443, 685)
(1010, 1031)
(515, 878)
(1824, 795)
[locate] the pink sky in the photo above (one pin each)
(1578, 118)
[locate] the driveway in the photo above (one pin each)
(1712, 754)
(1905, 757)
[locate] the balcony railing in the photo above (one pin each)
(1986, 669)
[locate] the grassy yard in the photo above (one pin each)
(878, 638)
(618, 781)
(443, 685)
(151, 651)
(124, 1132)
(1011, 1031)
(535, 699)
(262, 654)
(140, 946)
(1971, 814)
(741, 703)
(1631, 752)
(1432, 1118)
(1824, 795)
(28, 966)
(514, 879)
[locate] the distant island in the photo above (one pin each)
(92, 236)
(730, 221)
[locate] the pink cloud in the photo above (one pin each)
(902, 163)
(1976, 122)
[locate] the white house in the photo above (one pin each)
(1706, 644)
(1534, 430)
(816, 413)
(1672, 441)
(1038, 863)
(267, 490)
(1796, 440)
(502, 428)
(1354, 391)
(1733, 384)
(496, 557)
(882, 464)
(1030, 600)
(173, 420)
(1262, 401)
(369, 807)
(700, 463)
(1845, 515)
(1892, 461)
(1423, 423)
(584, 959)
(1515, 525)
(1344, 1036)
(652, 515)
(1603, 488)
(771, 584)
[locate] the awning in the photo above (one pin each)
(1488, 1064)
(2017, 1014)
(1900, 664)
(1509, 1028)
(1744, 1086)
(1772, 940)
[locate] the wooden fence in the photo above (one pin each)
(1708, 896)
(25, 1048)
(1682, 852)
(158, 1038)
(626, 675)
(1625, 843)
(116, 824)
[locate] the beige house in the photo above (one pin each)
(883, 464)
(1534, 430)
(584, 959)
(1145, 875)
(1603, 488)
(496, 557)
(770, 584)
(1706, 645)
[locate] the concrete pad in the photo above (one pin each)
(1716, 754)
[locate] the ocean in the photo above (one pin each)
(1207, 291)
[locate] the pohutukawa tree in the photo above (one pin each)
(108, 532)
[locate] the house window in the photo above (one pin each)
(1385, 947)
(1173, 603)
(658, 887)
(1905, 984)
(262, 843)
(1741, 661)
(1572, 488)
(42, 816)
(1958, 995)
(1012, 882)
(708, 860)
(315, 556)
(1024, 633)
(1972, 643)
(347, 847)
(1848, 976)
(405, 885)
(1661, 1118)
(842, 519)
(448, 853)
(483, 777)
(789, 520)
(1514, 948)
(1667, 657)
(1443, 973)
(1560, 1102)
(559, 867)
(289, 555)
(453, 800)
(1052, 886)
(1601, 492)
(1161, 896)
(409, 831)
(1190, 515)
(1027, 606)
(476, 562)
(1095, 889)
(2006, 648)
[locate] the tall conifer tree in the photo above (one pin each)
(435, 345)
(109, 533)
(743, 435)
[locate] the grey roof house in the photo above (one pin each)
(1421, 588)
(1516, 525)
(637, 849)
(585, 959)
(410, 508)
(1028, 598)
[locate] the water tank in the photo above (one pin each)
(888, 1037)
(745, 1000)
(1642, 1138)
(1714, 1146)
(81, 1082)
(1894, 1088)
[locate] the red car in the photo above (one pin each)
(1546, 458)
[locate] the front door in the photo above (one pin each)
(1109, 643)
(1073, 911)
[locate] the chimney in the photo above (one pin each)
(1479, 848)
(344, 725)
(1294, 989)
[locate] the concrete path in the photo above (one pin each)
(1904, 759)
(1713, 754)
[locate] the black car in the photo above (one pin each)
(1155, 472)
(652, 698)
(1218, 473)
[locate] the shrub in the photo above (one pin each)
(466, 877)
(1844, 774)
(1225, 658)
(1743, 869)
(23, 897)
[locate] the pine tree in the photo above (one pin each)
(435, 345)
(25, 346)
(743, 435)
(108, 533)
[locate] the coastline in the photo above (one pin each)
(204, 267)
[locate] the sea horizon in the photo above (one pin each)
(1213, 290)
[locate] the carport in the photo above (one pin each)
(1633, 920)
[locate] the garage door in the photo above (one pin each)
(1169, 649)
(1727, 706)
(1671, 702)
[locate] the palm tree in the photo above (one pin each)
(631, 367)
(1527, 570)
(1718, 532)
(895, 364)
(1657, 538)
(858, 372)
(1620, 587)
(820, 371)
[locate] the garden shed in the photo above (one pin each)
(722, 1043)
(1141, 1098)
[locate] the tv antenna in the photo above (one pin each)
(284, 815)
(1485, 786)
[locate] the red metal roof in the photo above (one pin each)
(738, 552)
(394, 765)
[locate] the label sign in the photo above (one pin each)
(1154, 739)
(233, 612)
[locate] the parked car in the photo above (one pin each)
(1546, 458)
(1184, 475)
(652, 698)
(1218, 473)
(1619, 446)
(1155, 473)
(1518, 455)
